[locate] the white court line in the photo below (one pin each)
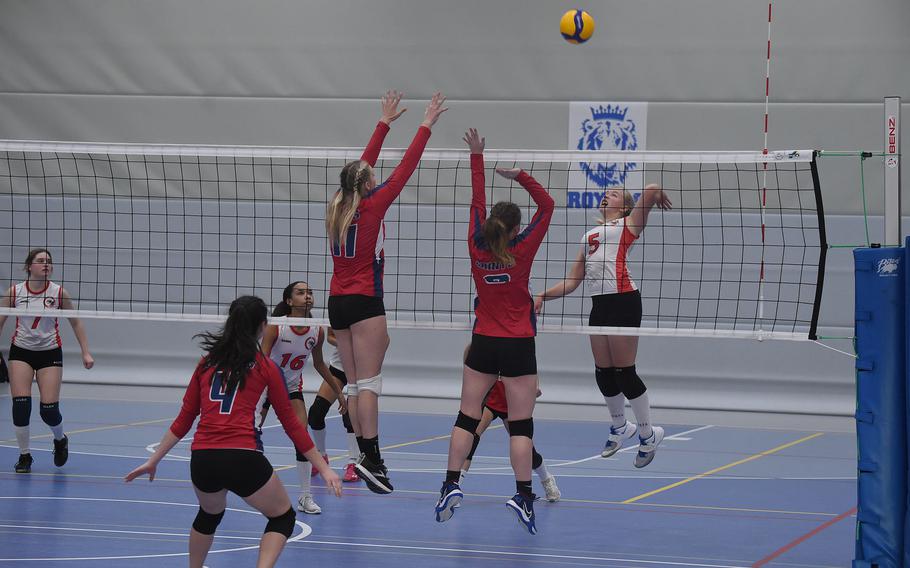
(528, 555)
(305, 530)
(175, 458)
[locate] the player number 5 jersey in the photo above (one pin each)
(606, 248)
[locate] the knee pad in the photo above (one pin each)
(206, 523)
(22, 410)
(467, 423)
(536, 458)
(346, 420)
(606, 381)
(349, 389)
(631, 384)
(283, 524)
(300, 456)
(50, 413)
(318, 410)
(373, 384)
(473, 447)
(523, 427)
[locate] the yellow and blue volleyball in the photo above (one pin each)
(577, 26)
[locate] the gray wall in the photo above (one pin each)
(309, 73)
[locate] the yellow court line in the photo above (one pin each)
(393, 446)
(722, 468)
(98, 429)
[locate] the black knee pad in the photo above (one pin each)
(473, 447)
(50, 413)
(631, 384)
(317, 413)
(606, 381)
(346, 420)
(467, 423)
(522, 428)
(536, 458)
(300, 456)
(206, 523)
(22, 410)
(283, 524)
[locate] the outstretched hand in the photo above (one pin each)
(510, 173)
(434, 109)
(475, 143)
(661, 199)
(146, 468)
(390, 112)
(538, 303)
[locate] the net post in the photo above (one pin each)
(892, 152)
(881, 425)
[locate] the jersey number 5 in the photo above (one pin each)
(593, 243)
(218, 394)
(350, 243)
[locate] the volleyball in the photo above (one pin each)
(577, 26)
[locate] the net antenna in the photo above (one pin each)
(175, 233)
(892, 171)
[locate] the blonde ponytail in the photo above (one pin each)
(341, 209)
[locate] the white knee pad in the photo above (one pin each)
(373, 384)
(349, 390)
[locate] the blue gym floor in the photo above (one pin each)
(713, 496)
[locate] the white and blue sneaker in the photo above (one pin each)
(617, 437)
(450, 497)
(524, 510)
(648, 446)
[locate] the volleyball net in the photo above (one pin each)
(168, 232)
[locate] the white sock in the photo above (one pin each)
(303, 471)
(353, 448)
(57, 430)
(22, 438)
(617, 406)
(319, 440)
(642, 409)
(542, 472)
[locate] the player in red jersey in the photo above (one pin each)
(289, 347)
(35, 354)
(354, 222)
(616, 301)
(502, 343)
(226, 451)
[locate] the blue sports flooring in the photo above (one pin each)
(713, 496)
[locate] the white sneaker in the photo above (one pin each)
(617, 437)
(307, 505)
(647, 447)
(552, 492)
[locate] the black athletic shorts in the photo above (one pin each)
(503, 356)
(621, 310)
(346, 310)
(498, 414)
(339, 375)
(242, 472)
(37, 359)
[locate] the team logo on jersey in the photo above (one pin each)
(497, 278)
(50, 302)
(310, 343)
(608, 129)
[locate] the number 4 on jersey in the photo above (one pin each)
(218, 393)
(350, 243)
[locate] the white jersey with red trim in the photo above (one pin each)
(290, 352)
(606, 248)
(37, 333)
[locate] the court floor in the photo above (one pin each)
(768, 494)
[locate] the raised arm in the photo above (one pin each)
(386, 193)
(390, 114)
(573, 279)
(478, 210)
(536, 230)
(651, 196)
(66, 302)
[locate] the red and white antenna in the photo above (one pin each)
(764, 178)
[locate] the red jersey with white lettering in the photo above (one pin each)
(37, 333)
(606, 248)
(496, 398)
(359, 260)
(503, 306)
(228, 417)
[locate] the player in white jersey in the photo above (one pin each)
(320, 408)
(290, 347)
(36, 353)
(601, 264)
